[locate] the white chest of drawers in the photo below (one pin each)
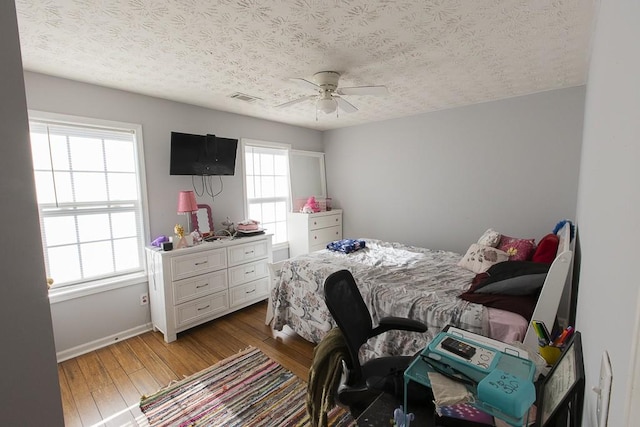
(312, 232)
(191, 286)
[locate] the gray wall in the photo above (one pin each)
(30, 394)
(117, 314)
(158, 118)
(609, 209)
(439, 180)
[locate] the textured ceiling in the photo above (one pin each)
(430, 54)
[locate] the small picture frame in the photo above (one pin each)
(562, 392)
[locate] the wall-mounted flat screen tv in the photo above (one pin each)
(202, 154)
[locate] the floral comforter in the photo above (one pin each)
(394, 280)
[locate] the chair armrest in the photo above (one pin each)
(398, 323)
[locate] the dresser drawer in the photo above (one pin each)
(317, 222)
(324, 236)
(192, 311)
(251, 291)
(194, 287)
(198, 263)
(248, 252)
(247, 272)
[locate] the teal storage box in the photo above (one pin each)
(506, 394)
(501, 382)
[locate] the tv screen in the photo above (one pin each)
(202, 155)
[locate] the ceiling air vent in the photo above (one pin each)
(244, 97)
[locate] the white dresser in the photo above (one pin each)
(312, 232)
(190, 286)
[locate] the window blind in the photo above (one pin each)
(267, 187)
(89, 199)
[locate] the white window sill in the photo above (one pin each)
(66, 293)
(280, 246)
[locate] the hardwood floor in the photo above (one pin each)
(104, 387)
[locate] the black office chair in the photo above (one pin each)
(362, 383)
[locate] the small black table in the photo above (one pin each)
(380, 412)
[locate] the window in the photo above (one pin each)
(266, 184)
(89, 188)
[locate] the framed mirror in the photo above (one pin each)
(202, 220)
(306, 169)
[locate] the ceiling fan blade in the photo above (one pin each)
(306, 83)
(295, 101)
(345, 105)
(364, 90)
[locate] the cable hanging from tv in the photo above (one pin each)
(207, 185)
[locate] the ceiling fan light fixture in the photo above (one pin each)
(327, 105)
(329, 98)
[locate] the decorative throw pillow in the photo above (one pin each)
(522, 305)
(528, 284)
(547, 249)
(507, 270)
(517, 249)
(490, 238)
(480, 278)
(479, 258)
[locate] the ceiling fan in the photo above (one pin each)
(328, 97)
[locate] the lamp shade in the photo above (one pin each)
(187, 202)
(327, 105)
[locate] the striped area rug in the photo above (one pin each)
(247, 389)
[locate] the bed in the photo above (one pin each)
(406, 281)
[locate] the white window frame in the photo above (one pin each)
(90, 287)
(265, 144)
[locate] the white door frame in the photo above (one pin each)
(633, 400)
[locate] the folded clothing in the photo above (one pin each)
(346, 245)
(248, 225)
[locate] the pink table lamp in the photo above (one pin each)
(186, 206)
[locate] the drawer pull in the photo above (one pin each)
(315, 223)
(248, 253)
(251, 291)
(204, 308)
(336, 219)
(249, 272)
(315, 237)
(202, 286)
(200, 263)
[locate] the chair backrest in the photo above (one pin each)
(349, 311)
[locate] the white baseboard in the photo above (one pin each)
(102, 342)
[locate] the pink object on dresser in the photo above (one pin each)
(248, 225)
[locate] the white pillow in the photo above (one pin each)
(480, 257)
(490, 238)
